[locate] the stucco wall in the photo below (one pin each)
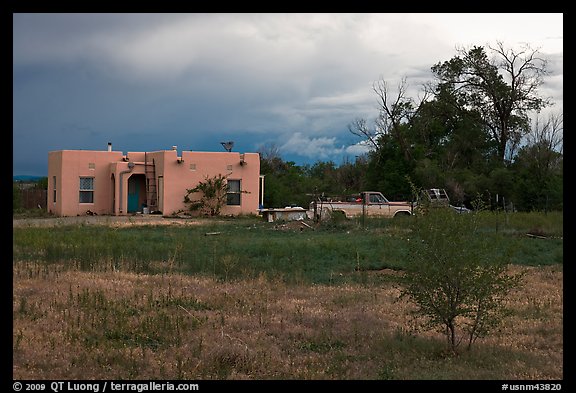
(197, 166)
(68, 166)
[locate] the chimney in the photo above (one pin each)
(174, 148)
(109, 146)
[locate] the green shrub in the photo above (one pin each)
(457, 283)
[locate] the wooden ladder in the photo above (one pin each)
(151, 192)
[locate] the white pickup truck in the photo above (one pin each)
(368, 203)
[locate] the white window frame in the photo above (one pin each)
(87, 190)
(234, 193)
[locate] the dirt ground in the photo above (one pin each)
(137, 219)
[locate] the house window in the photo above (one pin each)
(86, 190)
(233, 193)
(54, 189)
(228, 168)
(192, 167)
(91, 165)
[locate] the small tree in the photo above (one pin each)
(42, 183)
(16, 197)
(457, 284)
(214, 191)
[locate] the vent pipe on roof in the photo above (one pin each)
(109, 146)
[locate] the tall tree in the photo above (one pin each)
(395, 114)
(446, 131)
(503, 90)
(539, 166)
(548, 133)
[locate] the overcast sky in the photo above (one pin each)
(147, 82)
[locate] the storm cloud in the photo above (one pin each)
(148, 82)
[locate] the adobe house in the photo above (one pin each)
(108, 182)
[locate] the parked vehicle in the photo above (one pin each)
(437, 197)
(373, 203)
(369, 203)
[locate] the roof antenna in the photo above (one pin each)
(227, 145)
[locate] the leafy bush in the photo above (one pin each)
(457, 284)
(213, 195)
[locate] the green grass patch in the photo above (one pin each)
(346, 251)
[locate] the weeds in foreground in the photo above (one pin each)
(120, 325)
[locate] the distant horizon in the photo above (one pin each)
(27, 177)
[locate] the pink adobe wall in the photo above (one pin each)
(197, 166)
(54, 206)
(68, 166)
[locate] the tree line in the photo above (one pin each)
(478, 130)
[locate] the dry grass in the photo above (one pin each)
(82, 325)
(108, 220)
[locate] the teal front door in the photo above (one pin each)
(133, 196)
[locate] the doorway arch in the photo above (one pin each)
(136, 193)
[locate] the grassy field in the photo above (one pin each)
(244, 299)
